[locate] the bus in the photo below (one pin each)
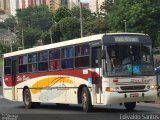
(98, 70)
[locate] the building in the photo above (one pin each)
(72, 3)
(1, 4)
(10, 6)
(85, 5)
(55, 4)
(6, 37)
(94, 5)
(7, 6)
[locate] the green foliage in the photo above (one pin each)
(36, 17)
(4, 48)
(61, 13)
(31, 37)
(70, 28)
(10, 22)
(141, 16)
(95, 26)
(2, 25)
(76, 12)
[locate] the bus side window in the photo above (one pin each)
(96, 54)
(23, 61)
(43, 61)
(7, 66)
(82, 56)
(54, 59)
(32, 62)
(67, 58)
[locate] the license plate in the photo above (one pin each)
(134, 95)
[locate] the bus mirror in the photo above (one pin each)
(103, 55)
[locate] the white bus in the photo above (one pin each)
(101, 69)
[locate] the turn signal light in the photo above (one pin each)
(108, 89)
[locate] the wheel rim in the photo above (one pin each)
(27, 98)
(84, 100)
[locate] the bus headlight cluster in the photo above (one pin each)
(151, 87)
(112, 89)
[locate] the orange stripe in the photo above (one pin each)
(46, 82)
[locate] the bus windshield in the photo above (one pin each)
(129, 60)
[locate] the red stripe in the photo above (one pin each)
(73, 73)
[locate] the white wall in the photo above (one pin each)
(92, 5)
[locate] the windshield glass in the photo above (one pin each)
(127, 60)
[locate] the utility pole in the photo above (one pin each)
(97, 8)
(10, 40)
(22, 38)
(81, 17)
(51, 35)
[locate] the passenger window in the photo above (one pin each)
(67, 58)
(22, 60)
(32, 62)
(54, 59)
(43, 61)
(82, 56)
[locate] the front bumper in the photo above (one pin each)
(115, 97)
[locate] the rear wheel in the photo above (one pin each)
(130, 106)
(86, 100)
(28, 101)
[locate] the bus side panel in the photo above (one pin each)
(8, 87)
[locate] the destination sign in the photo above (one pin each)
(125, 39)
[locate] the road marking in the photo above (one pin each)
(1, 96)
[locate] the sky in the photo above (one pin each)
(84, 0)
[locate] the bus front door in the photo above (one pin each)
(96, 67)
(14, 73)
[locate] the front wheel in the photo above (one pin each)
(86, 100)
(130, 106)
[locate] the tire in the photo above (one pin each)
(86, 100)
(130, 106)
(28, 100)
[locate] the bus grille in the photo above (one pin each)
(139, 87)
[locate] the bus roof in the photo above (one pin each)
(64, 43)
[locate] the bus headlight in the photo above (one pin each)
(153, 87)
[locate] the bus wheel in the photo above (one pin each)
(130, 106)
(86, 100)
(27, 99)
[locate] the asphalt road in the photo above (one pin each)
(15, 111)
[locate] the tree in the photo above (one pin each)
(76, 12)
(95, 26)
(140, 15)
(2, 25)
(38, 17)
(31, 37)
(70, 28)
(61, 13)
(10, 22)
